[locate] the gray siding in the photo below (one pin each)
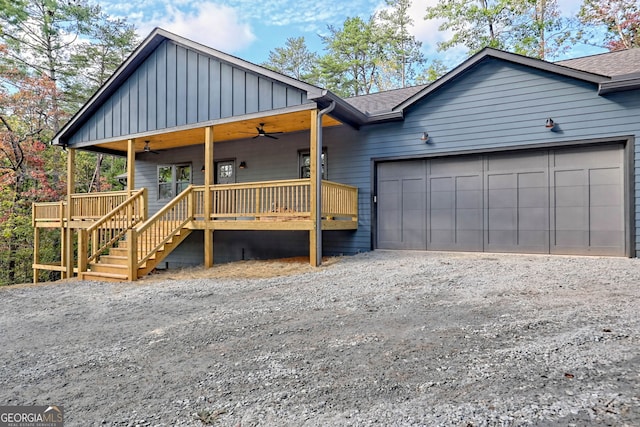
(493, 106)
(266, 160)
(176, 86)
(498, 105)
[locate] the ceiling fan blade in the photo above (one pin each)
(257, 136)
(270, 136)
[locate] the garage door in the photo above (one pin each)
(568, 201)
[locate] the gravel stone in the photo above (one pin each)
(395, 338)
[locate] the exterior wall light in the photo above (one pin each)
(242, 165)
(549, 124)
(424, 137)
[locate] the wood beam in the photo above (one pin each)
(131, 166)
(71, 188)
(315, 233)
(36, 253)
(208, 183)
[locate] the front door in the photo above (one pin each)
(225, 172)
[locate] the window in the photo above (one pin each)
(305, 164)
(172, 180)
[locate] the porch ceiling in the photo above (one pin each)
(228, 131)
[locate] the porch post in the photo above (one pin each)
(131, 166)
(36, 251)
(71, 188)
(208, 202)
(315, 234)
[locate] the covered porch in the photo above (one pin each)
(117, 238)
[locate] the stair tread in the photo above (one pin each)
(98, 274)
(104, 264)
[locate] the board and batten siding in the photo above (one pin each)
(176, 86)
(498, 105)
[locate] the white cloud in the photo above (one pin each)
(208, 23)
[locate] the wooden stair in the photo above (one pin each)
(113, 267)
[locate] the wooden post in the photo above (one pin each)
(83, 248)
(208, 183)
(36, 252)
(131, 166)
(132, 255)
(71, 188)
(314, 233)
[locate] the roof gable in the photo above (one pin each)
(170, 81)
(489, 53)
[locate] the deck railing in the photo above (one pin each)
(161, 227)
(104, 233)
(48, 212)
(286, 199)
(86, 206)
(96, 205)
(339, 201)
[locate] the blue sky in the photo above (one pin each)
(249, 29)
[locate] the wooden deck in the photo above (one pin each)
(103, 220)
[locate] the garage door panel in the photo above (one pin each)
(517, 161)
(531, 197)
(502, 219)
(401, 205)
(504, 198)
(588, 210)
(587, 157)
(534, 219)
(604, 218)
(441, 219)
(570, 218)
(455, 207)
(565, 201)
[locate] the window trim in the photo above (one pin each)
(174, 175)
(325, 169)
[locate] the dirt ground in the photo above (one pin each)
(382, 338)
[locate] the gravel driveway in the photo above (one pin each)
(381, 338)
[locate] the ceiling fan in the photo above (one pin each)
(148, 149)
(262, 132)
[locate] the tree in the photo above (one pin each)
(101, 50)
(42, 43)
(620, 19)
(294, 60)
(404, 53)
(39, 35)
(26, 113)
(528, 27)
(354, 54)
(106, 44)
(433, 72)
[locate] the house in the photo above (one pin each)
(227, 160)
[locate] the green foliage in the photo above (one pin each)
(403, 50)
(294, 60)
(53, 55)
(619, 18)
(433, 72)
(354, 54)
(528, 27)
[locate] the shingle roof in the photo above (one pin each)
(383, 101)
(609, 64)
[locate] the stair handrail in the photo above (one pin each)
(169, 220)
(123, 217)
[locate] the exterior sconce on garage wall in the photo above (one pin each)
(549, 124)
(425, 137)
(242, 165)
